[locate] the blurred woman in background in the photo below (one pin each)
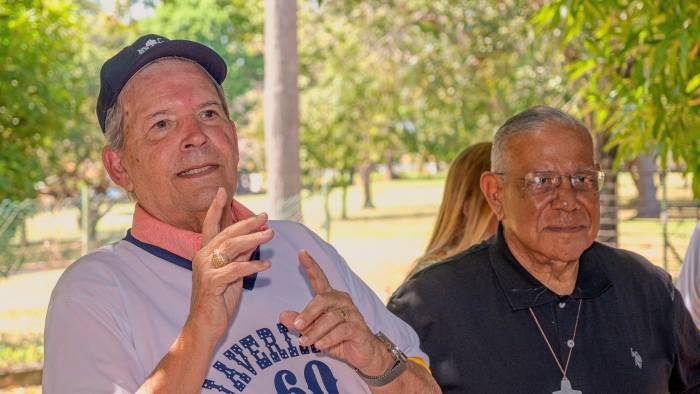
(464, 217)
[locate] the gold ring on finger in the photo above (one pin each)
(217, 259)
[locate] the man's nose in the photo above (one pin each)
(565, 196)
(194, 135)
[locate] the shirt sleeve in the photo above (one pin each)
(688, 283)
(413, 302)
(376, 315)
(87, 345)
(685, 377)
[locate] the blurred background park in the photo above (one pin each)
(384, 93)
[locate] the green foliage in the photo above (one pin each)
(635, 64)
(40, 94)
(233, 28)
(74, 158)
(12, 216)
(16, 350)
(428, 77)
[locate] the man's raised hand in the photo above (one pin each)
(216, 291)
(333, 324)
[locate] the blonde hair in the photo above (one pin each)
(454, 231)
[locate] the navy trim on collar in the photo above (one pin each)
(524, 291)
(248, 281)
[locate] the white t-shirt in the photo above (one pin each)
(688, 283)
(116, 311)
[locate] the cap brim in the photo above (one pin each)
(195, 51)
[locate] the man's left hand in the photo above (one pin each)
(333, 324)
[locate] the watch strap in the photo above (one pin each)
(393, 372)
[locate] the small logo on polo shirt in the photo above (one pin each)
(151, 42)
(637, 358)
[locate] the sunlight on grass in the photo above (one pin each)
(22, 390)
(20, 349)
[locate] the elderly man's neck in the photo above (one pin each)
(192, 221)
(558, 276)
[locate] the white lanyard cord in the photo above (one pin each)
(571, 349)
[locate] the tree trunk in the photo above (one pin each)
(281, 108)
(344, 203)
(94, 216)
(23, 233)
(643, 170)
(346, 176)
(389, 174)
(98, 206)
(608, 196)
(365, 173)
(351, 176)
(326, 191)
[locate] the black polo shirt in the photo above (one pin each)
(471, 314)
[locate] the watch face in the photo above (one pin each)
(396, 352)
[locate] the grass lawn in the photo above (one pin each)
(379, 244)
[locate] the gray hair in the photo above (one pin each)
(115, 122)
(533, 119)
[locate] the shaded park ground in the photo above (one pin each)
(379, 244)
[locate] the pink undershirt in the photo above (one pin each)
(183, 243)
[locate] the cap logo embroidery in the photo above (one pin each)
(149, 43)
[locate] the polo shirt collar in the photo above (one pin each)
(524, 291)
(146, 228)
(176, 245)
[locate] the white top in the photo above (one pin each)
(116, 311)
(689, 279)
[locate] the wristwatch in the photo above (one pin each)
(394, 371)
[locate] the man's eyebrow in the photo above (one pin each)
(587, 168)
(208, 103)
(154, 114)
(200, 106)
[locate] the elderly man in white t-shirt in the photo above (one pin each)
(202, 295)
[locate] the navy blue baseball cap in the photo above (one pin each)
(117, 71)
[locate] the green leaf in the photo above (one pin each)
(693, 84)
(660, 56)
(658, 122)
(683, 56)
(579, 68)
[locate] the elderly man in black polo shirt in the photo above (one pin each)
(541, 307)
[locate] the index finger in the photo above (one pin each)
(212, 221)
(319, 281)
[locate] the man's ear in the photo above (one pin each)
(234, 132)
(114, 165)
(492, 187)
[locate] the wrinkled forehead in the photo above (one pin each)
(554, 147)
(159, 69)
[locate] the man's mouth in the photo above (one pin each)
(566, 229)
(197, 171)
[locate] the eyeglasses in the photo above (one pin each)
(536, 183)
